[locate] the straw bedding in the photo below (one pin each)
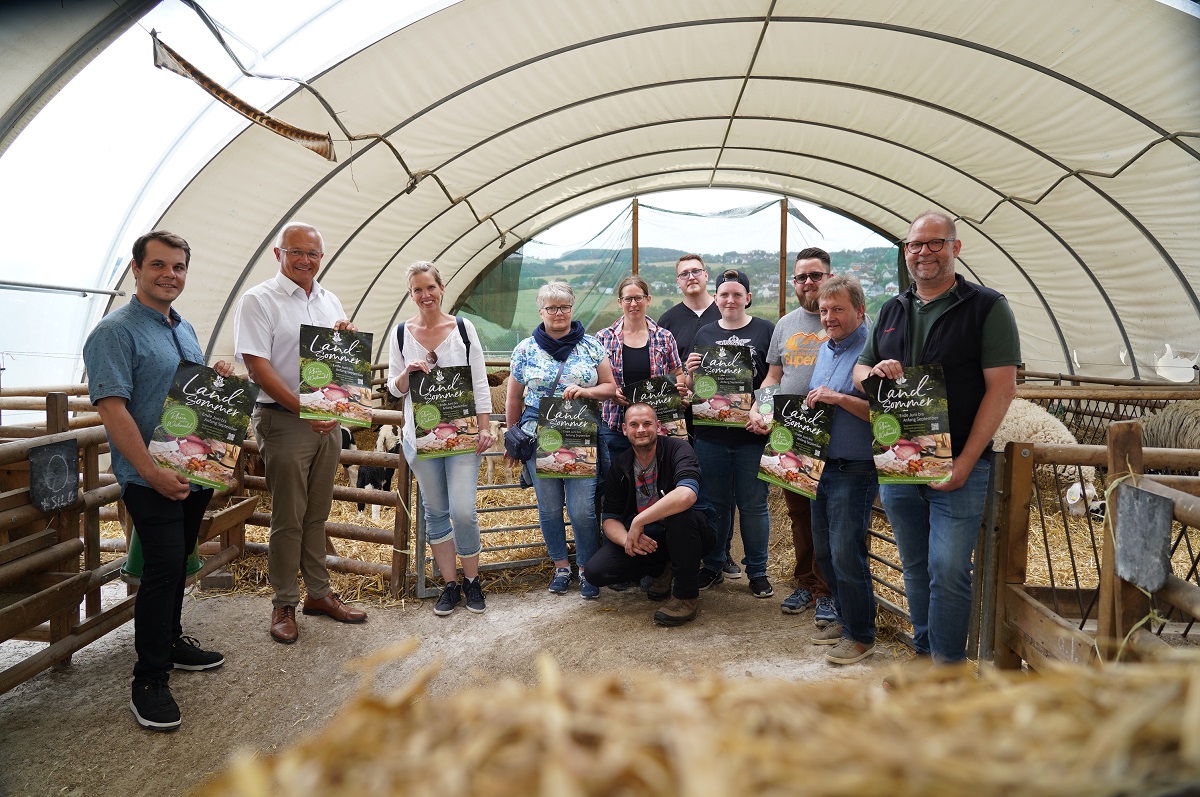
(1123, 730)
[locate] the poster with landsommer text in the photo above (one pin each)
(204, 420)
(723, 386)
(794, 457)
(335, 375)
(910, 424)
(443, 403)
(661, 393)
(568, 434)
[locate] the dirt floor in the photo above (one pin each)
(69, 731)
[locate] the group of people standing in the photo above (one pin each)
(661, 509)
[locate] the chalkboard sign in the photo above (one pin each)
(54, 475)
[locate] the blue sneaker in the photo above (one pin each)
(587, 590)
(826, 613)
(561, 581)
(797, 602)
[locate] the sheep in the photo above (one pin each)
(348, 444)
(494, 458)
(375, 477)
(499, 397)
(1027, 422)
(1174, 426)
(389, 435)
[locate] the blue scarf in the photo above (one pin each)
(558, 348)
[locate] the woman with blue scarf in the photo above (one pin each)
(560, 361)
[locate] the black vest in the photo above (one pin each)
(955, 341)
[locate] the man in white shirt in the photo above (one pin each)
(300, 456)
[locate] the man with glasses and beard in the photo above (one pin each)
(794, 345)
(697, 307)
(970, 331)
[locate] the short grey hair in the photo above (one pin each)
(424, 267)
(294, 225)
(555, 291)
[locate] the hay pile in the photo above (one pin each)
(1123, 730)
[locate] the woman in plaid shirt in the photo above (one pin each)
(638, 349)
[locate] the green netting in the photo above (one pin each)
(503, 304)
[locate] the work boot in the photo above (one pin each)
(660, 587)
(677, 611)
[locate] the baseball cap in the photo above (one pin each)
(734, 275)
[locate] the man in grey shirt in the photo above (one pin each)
(793, 352)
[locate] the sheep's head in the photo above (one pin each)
(1081, 499)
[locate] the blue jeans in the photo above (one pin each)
(936, 535)
(578, 496)
(841, 516)
(448, 487)
(729, 478)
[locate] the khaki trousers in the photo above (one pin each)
(300, 465)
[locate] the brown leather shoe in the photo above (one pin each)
(677, 611)
(332, 606)
(283, 624)
(660, 587)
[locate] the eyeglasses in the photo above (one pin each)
(691, 273)
(299, 253)
(558, 309)
(633, 299)
(935, 245)
(812, 276)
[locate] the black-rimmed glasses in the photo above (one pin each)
(811, 276)
(691, 273)
(935, 245)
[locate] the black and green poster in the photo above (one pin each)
(794, 457)
(568, 435)
(661, 393)
(443, 404)
(910, 424)
(335, 375)
(723, 386)
(205, 419)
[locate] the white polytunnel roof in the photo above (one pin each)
(1064, 136)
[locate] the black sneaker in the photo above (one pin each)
(709, 577)
(730, 569)
(473, 588)
(760, 587)
(186, 654)
(451, 595)
(154, 708)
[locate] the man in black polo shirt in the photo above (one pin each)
(650, 527)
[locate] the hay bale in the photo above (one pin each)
(1132, 729)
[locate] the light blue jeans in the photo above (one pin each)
(841, 516)
(936, 534)
(448, 486)
(578, 496)
(729, 478)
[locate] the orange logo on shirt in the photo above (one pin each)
(800, 350)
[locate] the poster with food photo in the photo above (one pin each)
(204, 420)
(794, 456)
(661, 394)
(568, 434)
(335, 375)
(910, 423)
(723, 386)
(443, 403)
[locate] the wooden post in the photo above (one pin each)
(1121, 605)
(1012, 545)
(66, 522)
(400, 525)
(783, 268)
(90, 460)
(634, 238)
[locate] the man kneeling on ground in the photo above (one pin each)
(650, 527)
